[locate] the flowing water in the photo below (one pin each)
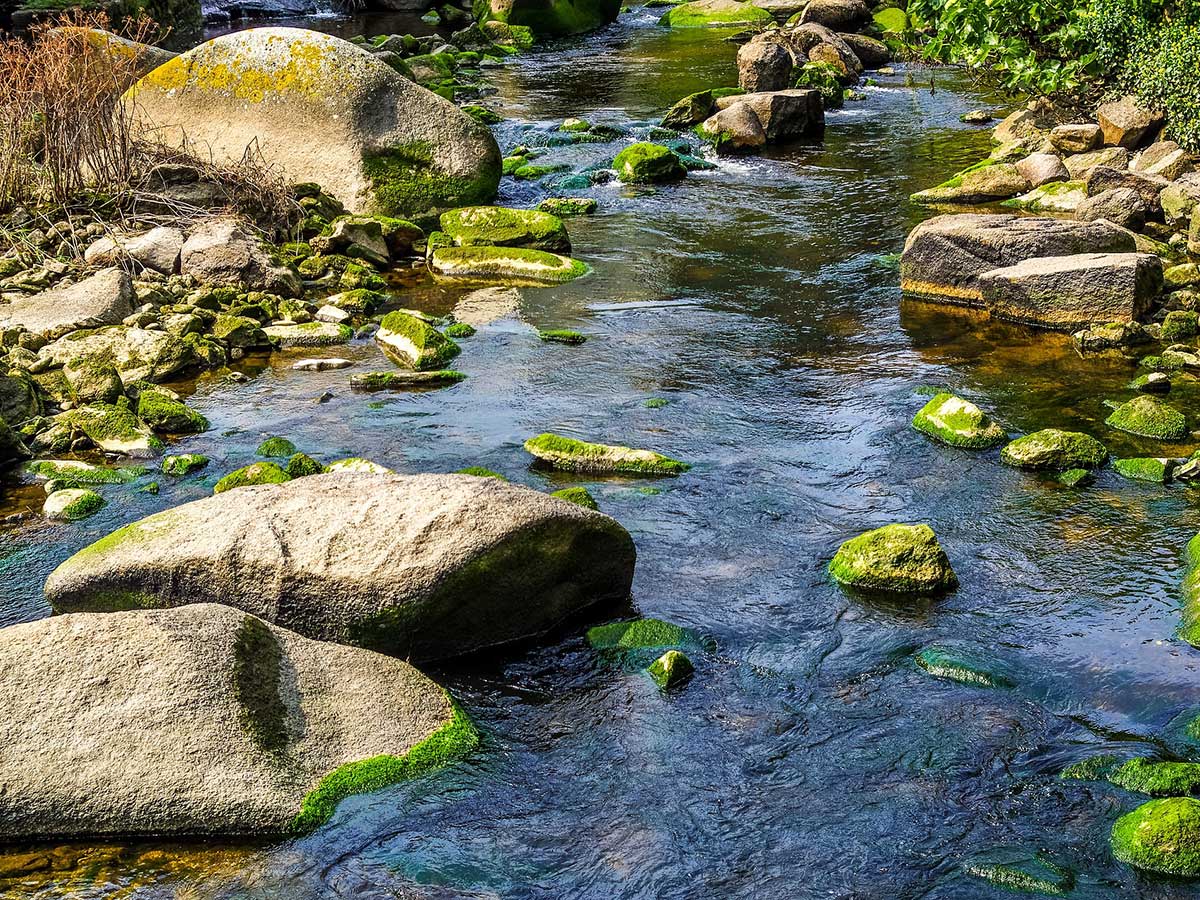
(809, 757)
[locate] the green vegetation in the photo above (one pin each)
(415, 342)
(702, 15)
(163, 412)
(1153, 469)
(562, 336)
(183, 464)
(276, 448)
(301, 464)
(256, 473)
(1149, 417)
(1160, 836)
(580, 496)
(946, 664)
(825, 78)
(647, 163)
(406, 182)
(453, 740)
(898, 559)
(573, 455)
(1158, 779)
(481, 472)
(1052, 448)
(459, 330)
(498, 226)
(671, 670)
(1032, 875)
(256, 669)
(641, 634)
(1094, 768)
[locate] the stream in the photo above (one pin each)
(809, 757)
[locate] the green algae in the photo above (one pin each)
(656, 402)
(452, 741)
(301, 465)
(1076, 477)
(951, 666)
(73, 504)
(497, 226)
(506, 264)
(481, 472)
(573, 455)
(1160, 836)
(1094, 768)
(1155, 469)
(568, 206)
(379, 381)
(642, 634)
(1189, 630)
(405, 181)
(255, 473)
(276, 448)
(701, 15)
(257, 659)
(959, 423)
(1158, 779)
(562, 336)
(164, 413)
(1031, 873)
(898, 559)
(459, 330)
(646, 163)
(415, 341)
(78, 472)
(580, 496)
(1149, 417)
(183, 464)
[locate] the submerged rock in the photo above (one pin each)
(959, 423)
(72, 504)
(643, 634)
(571, 455)
(105, 298)
(426, 566)
(578, 495)
(1110, 336)
(671, 670)
(947, 664)
(238, 727)
(944, 257)
(183, 464)
(1030, 873)
(1052, 448)
(382, 381)
(900, 559)
(387, 145)
(1149, 417)
(1160, 836)
(413, 342)
(647, 163)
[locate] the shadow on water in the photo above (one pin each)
(809, 757)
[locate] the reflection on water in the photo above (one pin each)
(810, 757)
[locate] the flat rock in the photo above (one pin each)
(837, 15)
(137, 354)
(944, 256)
(185, 722)
(420, 566)
(105, 298)
(1080, 165)
(1076, 138)
(157, 249)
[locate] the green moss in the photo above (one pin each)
(276, 448)
(164, 413)
(73, 504)
(577, 495)
(452, 741)
(501, 227)
(183, 464)
(642, 634)
(535, 172)
(482, 114)
(112, 428)
(574, 455)
(1160, 836)
(1032, 874)
(378, 381)
(507, 264)
(301, 465)
(1180, 324)
(256, 473)
(552, 17)
(357, 302)
(959, 423)
(1094, 768)
(77, 472)
(568, 206)
(459, 330)
(825, 78)
(256, 674)
(415, 342)
(656, 402)
(1189, 630)
(900, 559)
(481, 472)
(941, 663)
(647, 163)
(1057, 196)
(358, 465)
(702, 15)
(1145, 469)
(562, 336)
(406, 182)
(671, 670)
(1149, 417)
(1052, 448)
(1158, 779)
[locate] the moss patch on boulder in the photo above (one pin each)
(72, 504)
(959, 423)
(647, 163)
(481, 472)
(1158, 779)
(1149, 417)
(1155, 469)
(518, 265)
(580, 496)
(183, 464)
(1052, 448)
(165, 413)
(379, 381)
(1160, 836)
(276, 448)
(671, 670)
(255, 473)
(571, 455)
(497, 226)
(897, 559)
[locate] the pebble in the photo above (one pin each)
(321, 365)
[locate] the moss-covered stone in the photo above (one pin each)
(406, 181)
(1028, 873)
(898, 559)
(826, 79)
(276, 448)
(380, 381)
(568, 206)
(689, 111)
(112, 428)
(414, 342)
(255, 473)
(952, 666)
(358, 302)
(495, 226)
(959, 423)
(580, 496)
(1189, 630)
(1158, 779)
(301, 464)
(72, 504)
(459, 330)
(671, 670)
(571, 455)
(561, 336)
(1076, 477)
(74, 471)
(517, 265)
(1160, 836)
(1057, 196)
(481, 472)
(183, 464)
(162, 412)
(1052, 448)
(309, 334)
(1149, 417)
(1180, 324)
(1156, 469)
(1094, 768)
(715, 14)
(647, 163)
(358, 465)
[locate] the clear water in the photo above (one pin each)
(809, 757)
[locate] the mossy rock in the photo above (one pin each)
(481, 472)
(1155, 469)
(952, 666)
(959, 423)
(112, 428)
(276, 448)
(309, 334)
(896, 559)
(183, 464)
(496, 226)
(414, 342)
(647, 163)
(562, 336)
(571, 455)
(1076, 477)
(517, 265)
(1030, 873)
(162, 412)
(1160, 836)
(689, 111)
(1052, 448)
(826, 79)
(358, 465)
(1190, 628)
(301, 465)
(1180, 324)
(1158, 779)
(716, 14)
(671, 670)
(255, 473)
(459, 330)
(1149, 417)
(72, 504)
(580, 496)
(76, 471)
(568, 206)
(381, 381)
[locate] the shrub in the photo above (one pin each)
(1164, 71)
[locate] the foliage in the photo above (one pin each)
(1164, 71)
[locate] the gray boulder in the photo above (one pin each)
(871, 53)
(222, 251)
(735, 129)
(944, 256)
(1179, 198)
(1042, 168)
(1067, 293)
(422, 566)
(1121, 206)
(105, 298)
(386, 144)
(784, 115)
(1081, 165)
(1106, 178)
(764, 66)
(837, 15)
(190, 722)
(1076, 138)
(1127, 123)
(1165, 159)
(156, 249)
(137, 354)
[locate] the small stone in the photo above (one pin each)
(580, 496)
(1076, 477)
(276, 448)
(562, 336)
(959, 423)
(946, 664)
(571, 455)
(1052, 448)
(379, 381)
(1152, 383)
(256, 473)
(72, 504)
(1155, 469)
(901, 559)
(671, 670)
(321, 365)
(183, 464)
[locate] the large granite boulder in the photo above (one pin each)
(422, 566)
(198, 721)
(386, 145)
(549, 17)
(764, 66)
(1127, 123)
(837, 15)
(222, 251)
(944, 256)
(783, 115)
(105, 298)
(1067, 293)
(137, 353)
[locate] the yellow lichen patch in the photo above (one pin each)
(934, 289)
